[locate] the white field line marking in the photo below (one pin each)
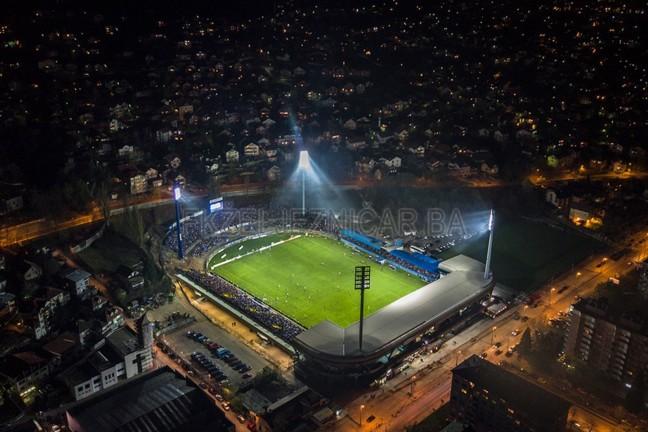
(261, 249)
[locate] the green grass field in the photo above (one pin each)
(247, 246)
(310, 279)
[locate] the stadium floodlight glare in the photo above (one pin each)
(177, 194)
(304, 161)
(305, 167)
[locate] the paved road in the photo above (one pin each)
(31, 230)
(540, 179)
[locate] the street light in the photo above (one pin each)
(457, 358)
(412, 382)
(551, 295)
(362, 407)
(493, 334)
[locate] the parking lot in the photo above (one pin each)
(185, 346)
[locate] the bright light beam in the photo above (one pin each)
(304, 161)
(177, 194)
(304, 166)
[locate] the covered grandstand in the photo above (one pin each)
(328, 349)
(417, 264)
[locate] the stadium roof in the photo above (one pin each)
(390, 326)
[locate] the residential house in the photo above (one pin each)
(29, 271)
(76, 280)
(119, 356)
(582, 213)
(350, 125)
(116, 125)
(138, 184)
(252, 150)
(393, 163)
(26, 369)
(184, 110)
(10, 202)
(271, 153)
(63, 347)
(489, 168)
(173, 161)
(286, 140)
(557, 198)
(301, 409)
(356, 145)
(46, 307)
(125, 151)
(151, 174)
(232, 156)
(130, 278)
(274, 173)
(7, 306)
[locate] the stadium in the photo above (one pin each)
(294, 284)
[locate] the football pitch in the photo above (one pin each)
(310, 279)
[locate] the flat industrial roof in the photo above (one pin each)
(156, 401)
(463, 284)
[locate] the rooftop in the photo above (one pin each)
(76, 275)
(536, 403)
(124, 341)
(159, 400)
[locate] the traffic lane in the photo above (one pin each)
(507, 324)
(418, 408)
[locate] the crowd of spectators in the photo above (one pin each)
(204, 246)
(382, 254)
(264, 315)
(204, 233)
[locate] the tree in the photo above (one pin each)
(525, 346)
(121, 296)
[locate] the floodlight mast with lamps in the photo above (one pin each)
(489, 252)
(362, 283)
(177, 194)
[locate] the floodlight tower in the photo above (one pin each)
(362, 282)
(304, 166)
(489, 252)
(177, 194)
